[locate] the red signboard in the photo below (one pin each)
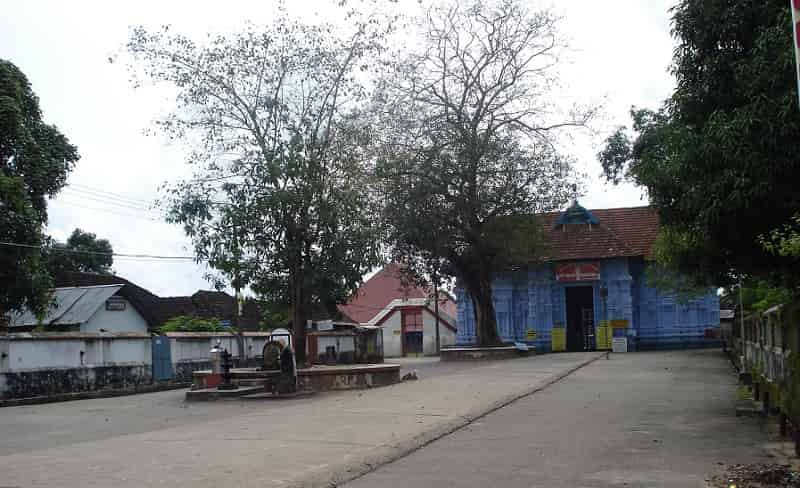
(578, 272)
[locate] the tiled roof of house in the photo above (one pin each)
(620, 232)
(380, 290)
(157, 310)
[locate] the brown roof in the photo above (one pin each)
(620, 232)
(157, 310)
(380, 290)
(208, 304)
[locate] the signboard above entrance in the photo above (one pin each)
(578, 272)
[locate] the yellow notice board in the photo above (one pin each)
(619, 324)
(559, 337)
(530, 334)
(603, 336)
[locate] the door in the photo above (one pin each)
(162, 359)
(580, 318)
(412, 330)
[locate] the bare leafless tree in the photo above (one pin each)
(469, 148)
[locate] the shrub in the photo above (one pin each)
(186, 323)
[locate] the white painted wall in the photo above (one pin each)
(254, 345)
(342, 344)
(199, 348)
(392, 335)
(447, 337)
(393, 339)
(128, 320)
(39, 353)
(44, 353)
(127, 351)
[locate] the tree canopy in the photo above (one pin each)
(278, 202)
(83, 252)
(35, 159)
(719, 158)
(468, 150)
(186, 323)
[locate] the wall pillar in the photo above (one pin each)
(616, 307)
(465, 320)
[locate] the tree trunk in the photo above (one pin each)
(299, 317)
(479, 286)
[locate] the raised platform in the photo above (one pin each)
(475, 353)
(207, 394)
(315, 379)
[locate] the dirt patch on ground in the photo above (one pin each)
(756, 476)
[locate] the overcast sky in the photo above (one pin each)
(620, 51)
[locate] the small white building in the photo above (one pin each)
(406, 314)
(99, 308)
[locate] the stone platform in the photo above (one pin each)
(475, 353)
(314, 379)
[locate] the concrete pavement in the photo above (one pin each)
(660, 419)
(155, 440)
(51, 425)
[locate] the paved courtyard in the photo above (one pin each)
(59, 424)
(663, 419)
(648, 419)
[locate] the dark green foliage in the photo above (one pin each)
(274, 315)
(35, 159)
(82, 252)
(185, 323)
(720, 158)
(684, 288)
(784, 241)
(757, 296)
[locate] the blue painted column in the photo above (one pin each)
(616, 279)
(521, 323)
(540, 305)
(465, 320)
(502, 296)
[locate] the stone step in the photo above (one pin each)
(207, 394)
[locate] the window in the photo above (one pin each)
(412, 320)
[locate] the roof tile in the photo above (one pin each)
(620, 232)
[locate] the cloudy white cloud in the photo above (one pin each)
(620, 50)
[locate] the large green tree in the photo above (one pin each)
(35, 159)
(469, 145)
(720, 159)
(278, 202)
(82, 252)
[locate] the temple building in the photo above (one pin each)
(591, 287)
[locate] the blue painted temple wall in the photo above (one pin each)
(530, 307)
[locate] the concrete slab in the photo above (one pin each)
(315, 442)
(209, 394)
(642, 420)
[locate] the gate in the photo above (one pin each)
(162, 359)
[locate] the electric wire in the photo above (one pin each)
(96, 253)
